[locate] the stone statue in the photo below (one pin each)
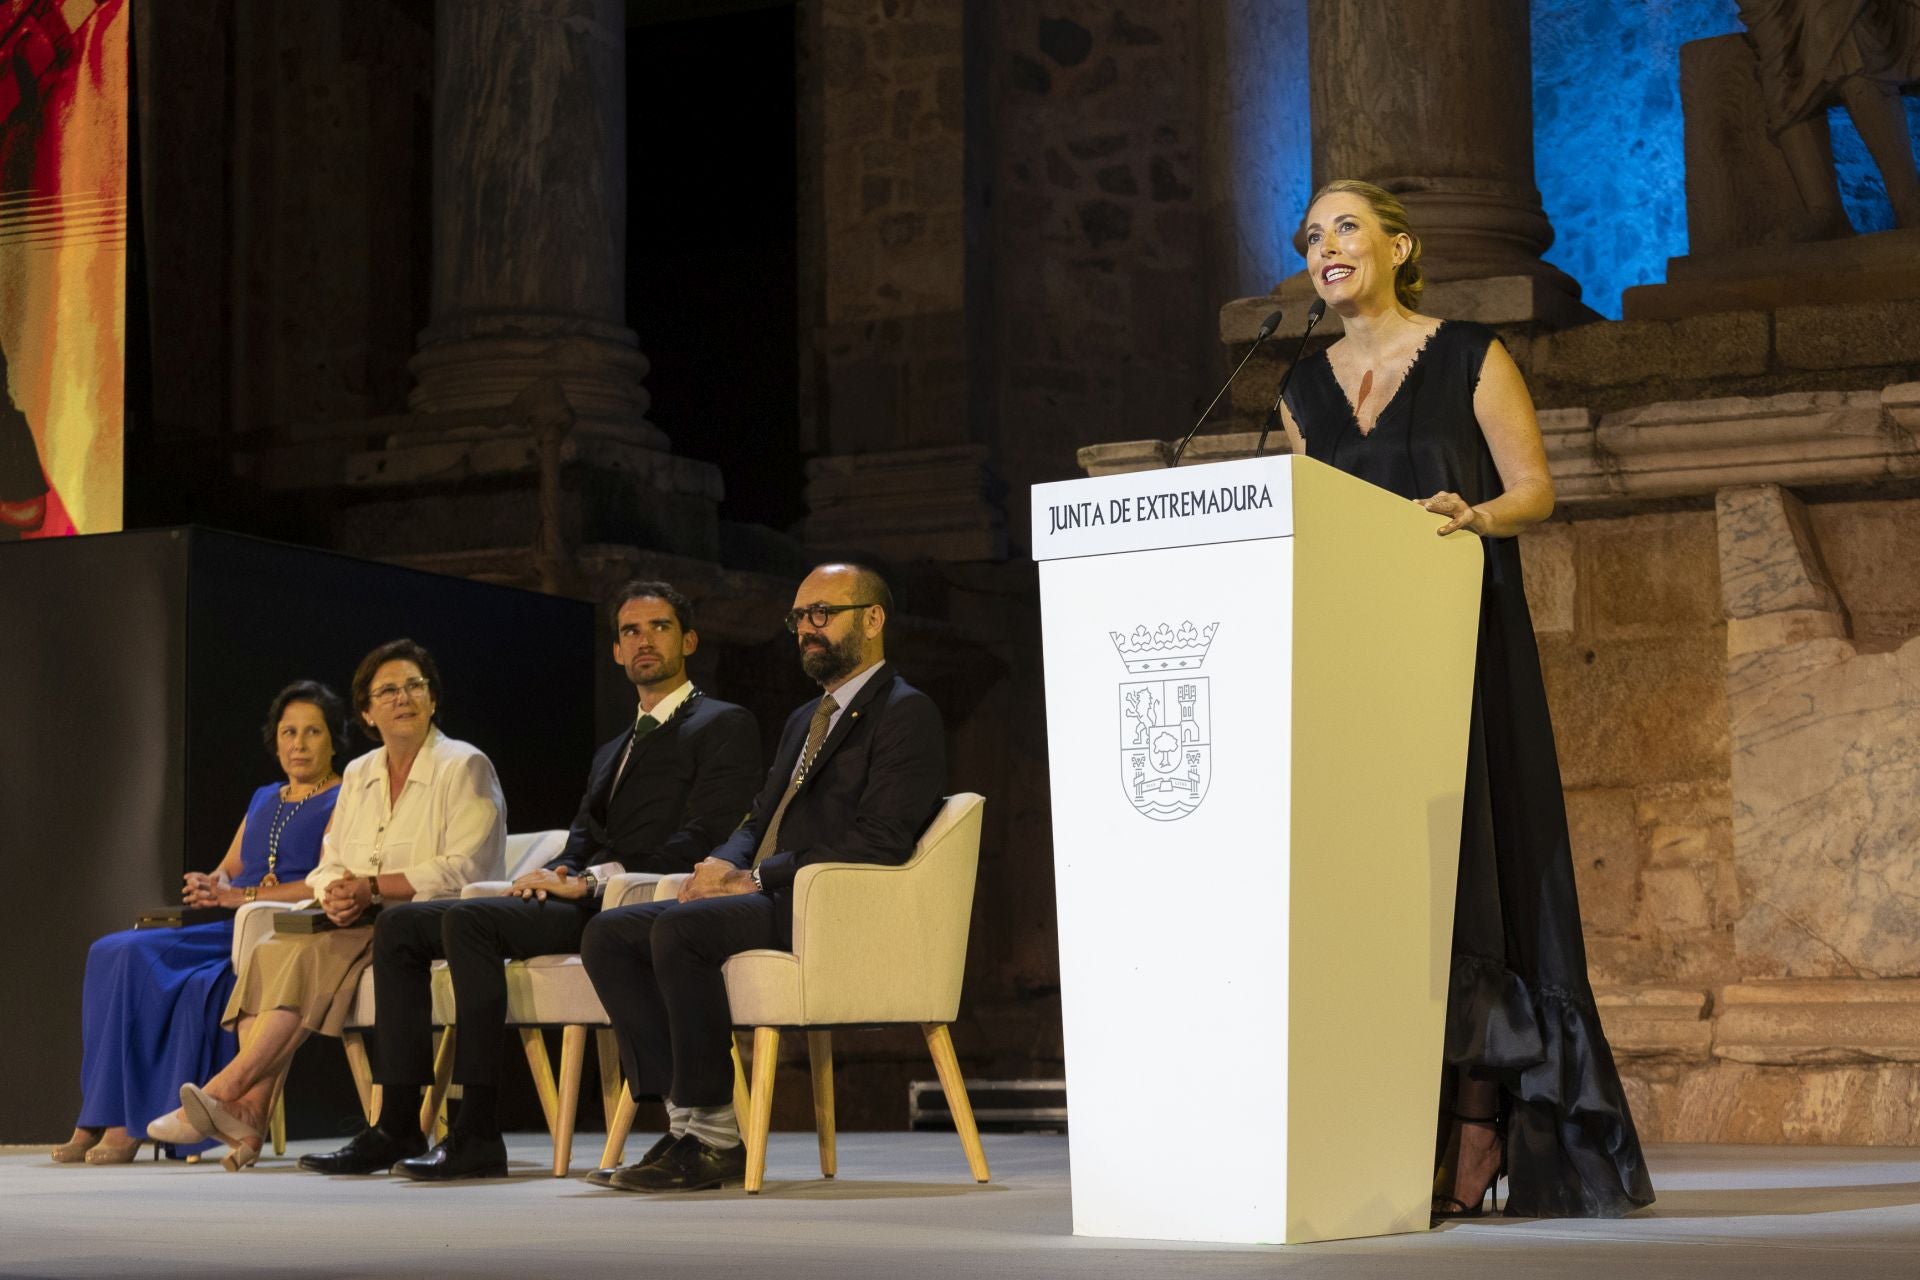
(1860, 53)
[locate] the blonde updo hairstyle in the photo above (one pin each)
(1408, 278)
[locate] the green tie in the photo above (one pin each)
(641, 728)
(816, 734)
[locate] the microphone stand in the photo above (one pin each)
(1267, 327)
(1318, 309)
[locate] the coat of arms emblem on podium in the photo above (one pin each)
(1166, 753)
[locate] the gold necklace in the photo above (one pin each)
(282, 815)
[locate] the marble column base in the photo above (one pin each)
(942, 504)
(479, 488)
(598, 365)
(1882, 267)
(465, 482)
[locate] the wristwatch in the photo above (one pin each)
(373, 890)
(251, 893)
(592, 882)
(755, 873)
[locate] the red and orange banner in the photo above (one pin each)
(63, 252)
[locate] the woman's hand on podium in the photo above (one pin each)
(1459, 512)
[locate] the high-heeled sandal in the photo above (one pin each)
(76, 1152)
(1447, 1207)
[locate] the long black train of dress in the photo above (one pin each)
(1519, 1006)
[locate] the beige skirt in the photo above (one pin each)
(315, 974)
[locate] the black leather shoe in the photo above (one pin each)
(604, 1177)
(688, 1165)
(459, 1156)
(371, 1151)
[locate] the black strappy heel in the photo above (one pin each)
(1448, 1207)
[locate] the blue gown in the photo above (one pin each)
(150, 1008)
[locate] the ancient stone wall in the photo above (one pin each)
(1098, 231)
(889, 237)
(1633, 647)
(1805, 1024)
(330, 233)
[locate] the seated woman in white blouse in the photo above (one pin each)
(418, 818)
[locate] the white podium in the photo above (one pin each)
(1259, 677)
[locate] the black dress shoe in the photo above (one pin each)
(604, 1177)
(688, 1165)
(371, 1151)
(459, 1156)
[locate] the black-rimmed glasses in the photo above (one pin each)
(819, 615)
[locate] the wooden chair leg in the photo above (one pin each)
(612, 1086)
(742, 1103)
(277, 1118)
(617, 1130)
(433, 1107)
(573, 1058)
(542, 1068)
(820, 1054)
(947, 1065)
(356, 1046)
(766, 1058)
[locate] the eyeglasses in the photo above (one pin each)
(820, 614)
(394, 692)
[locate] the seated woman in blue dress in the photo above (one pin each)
(150, 1012)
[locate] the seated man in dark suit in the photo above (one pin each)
(658, 796)
(858, 776)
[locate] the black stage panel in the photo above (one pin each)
(135, 672)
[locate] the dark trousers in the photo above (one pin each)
(473, 936)
(656, 967)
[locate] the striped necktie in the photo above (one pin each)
(816, 734)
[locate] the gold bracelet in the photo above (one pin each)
(251, 892)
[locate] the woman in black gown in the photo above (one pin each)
(1437, 411)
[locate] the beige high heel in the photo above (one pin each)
(173, 1128)
(213, 1117)
(76, 1152)
(113, 1152)
(240, 1155)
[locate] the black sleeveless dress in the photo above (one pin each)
(1519, 1006)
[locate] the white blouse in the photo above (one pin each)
(448, 827)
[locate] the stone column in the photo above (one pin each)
(1434, 101)
(528, 445)
(893, 349)
(530, 204)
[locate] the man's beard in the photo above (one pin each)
(830, 662)
(668, 669)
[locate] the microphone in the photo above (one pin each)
(1267, 327)
(1314, 312)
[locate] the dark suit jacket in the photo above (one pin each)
(872, 790)
(687, 785)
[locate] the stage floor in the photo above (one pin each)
(904, 1206)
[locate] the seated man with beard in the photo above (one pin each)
(858, 776)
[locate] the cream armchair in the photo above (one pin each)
(524, 853)
(871, 944)
(549, 991)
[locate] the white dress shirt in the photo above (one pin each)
(448, 827)
(842, 698)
